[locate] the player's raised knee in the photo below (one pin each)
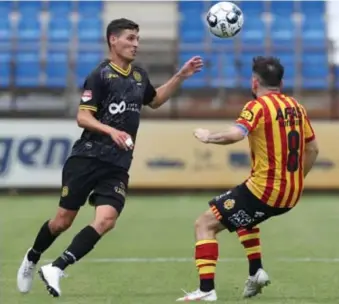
(59, 225)
(207, 225)
(104, 224)
(105, 219)
(62, 221)
(205, 221)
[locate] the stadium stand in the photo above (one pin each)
(49, 34)
(60, 41)
(283, 22)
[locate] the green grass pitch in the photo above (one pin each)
(300, 252)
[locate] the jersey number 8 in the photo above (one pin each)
(293, 147)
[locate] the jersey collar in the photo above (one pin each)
(120, 70)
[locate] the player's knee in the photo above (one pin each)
(207, 224)
(62, 221)
(105, 219)
(59, 225)
(104, 224)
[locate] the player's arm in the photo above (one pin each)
(311, 146)
(311, 154)
(90, 100)
(164, 92)
(245, 124)
(229, 136)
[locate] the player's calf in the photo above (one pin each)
(250, 239)
(206, 256)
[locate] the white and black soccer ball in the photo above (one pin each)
(225, 19)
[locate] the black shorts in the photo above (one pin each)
(239, 208)
(90, 178)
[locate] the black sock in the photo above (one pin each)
(82, 244)
(206, 285)
(43, 241)
(255, 265)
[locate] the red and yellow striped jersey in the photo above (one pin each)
(278, 128)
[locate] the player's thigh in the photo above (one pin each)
(237, 209)
(78, 180)
(111, 190)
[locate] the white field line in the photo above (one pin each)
(191, 260)
(186, 260)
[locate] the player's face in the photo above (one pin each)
(126, 44)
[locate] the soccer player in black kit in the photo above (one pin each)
(97, 169)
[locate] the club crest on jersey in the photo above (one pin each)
(247, 115)
(137, 76)
(64, 191)
(86, 95)
(229, 204)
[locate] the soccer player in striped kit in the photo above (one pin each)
(283, 150)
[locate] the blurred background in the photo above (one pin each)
(48, 48)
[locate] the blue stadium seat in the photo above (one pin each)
(29, 29)
(315, 70)
(59, 30)
(56, 69)
(245, 62)
(313, 8)
(60, 8)
(252, 8)
(86, 62)
(191, 6)
(90, 8)
(27, 69)
(230, 76)
(6, 7)
(5, 69)
(29, 8)
(253, 34)
(336, 73)
(314, 33)
(282, 8)
(194, 33)
(90, 30)
(283, 33)
(5, 31)
(223, 44)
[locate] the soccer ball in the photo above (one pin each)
(225, 19)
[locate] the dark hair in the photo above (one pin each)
(269, 70)
(116, 26)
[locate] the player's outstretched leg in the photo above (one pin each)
(81, 245)
(47, 234)
(206, 256)
(258, 278)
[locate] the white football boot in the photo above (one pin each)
(25, 274)
(255, 284)
(199, 295)
(51, 276)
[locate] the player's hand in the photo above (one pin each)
(192, 66)
(202, 134)
(122, 139)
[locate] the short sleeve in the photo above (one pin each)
(91, 94)
(249, 117)
(150, 93)
(309, 132)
